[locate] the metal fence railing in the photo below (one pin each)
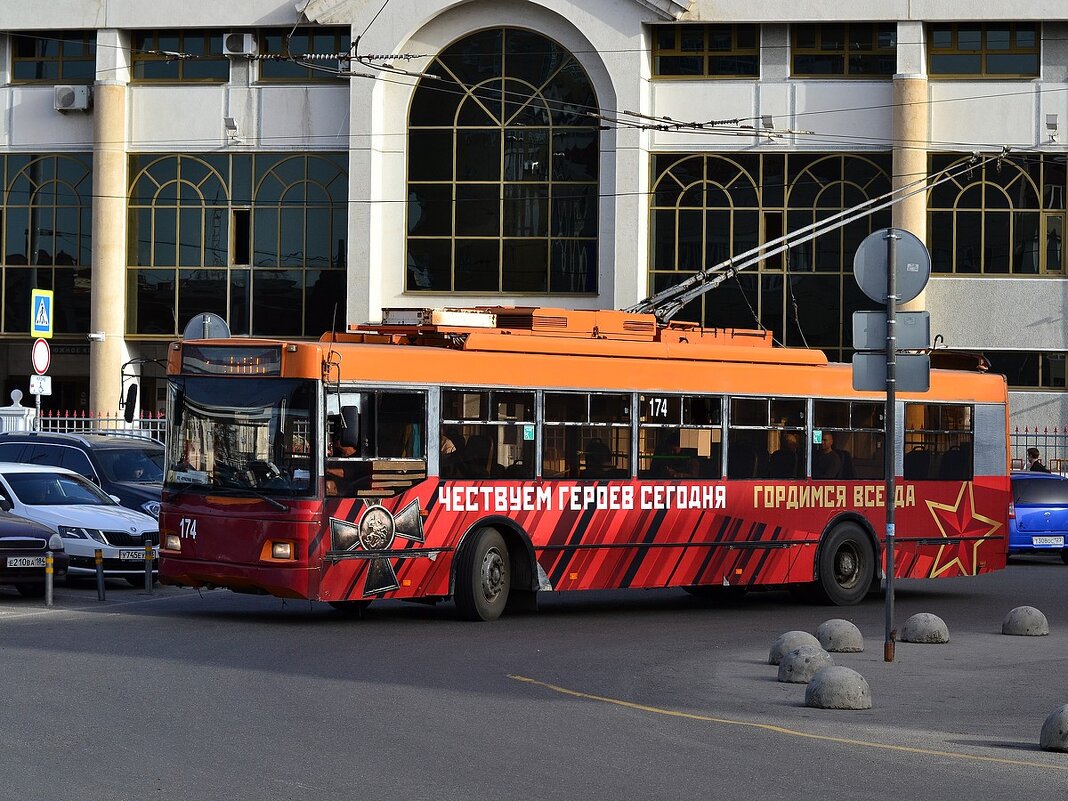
(82, 422)
(1052, 447)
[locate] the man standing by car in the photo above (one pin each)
(1034, 461)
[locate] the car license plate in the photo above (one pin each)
(132, 556)
(25, 561)
(1057, 542)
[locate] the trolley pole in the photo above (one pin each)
(890, 449)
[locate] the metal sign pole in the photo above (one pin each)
(891, 433)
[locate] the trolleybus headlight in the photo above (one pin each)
(281, 550)
(172, 542)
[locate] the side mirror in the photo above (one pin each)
(5, 504)
(130, 404)
(350, 434)
(179, 408)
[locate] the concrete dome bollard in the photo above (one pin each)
(802, 663)
(840, 636)
(926, 628)
(789, 641)
(1025, 621)
(1055, 730)
(838, 687)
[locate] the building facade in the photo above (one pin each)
(159, 160)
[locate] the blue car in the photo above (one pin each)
(1038, 518)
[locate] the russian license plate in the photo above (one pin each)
(1057, 542)
(25, 561)
(132, 556)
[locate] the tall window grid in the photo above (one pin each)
(46, 237)
(1006, 219)
(258, 239)
(707, 208)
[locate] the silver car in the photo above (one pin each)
(85, 518)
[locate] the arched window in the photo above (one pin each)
(1007, 218)
(707, 208)
(46, 231)
(503, 169)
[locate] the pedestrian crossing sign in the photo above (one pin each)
(42, 310)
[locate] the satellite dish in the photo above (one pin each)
(206, 325)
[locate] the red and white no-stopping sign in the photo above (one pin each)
(41, 356)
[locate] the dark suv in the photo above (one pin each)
(127, 466)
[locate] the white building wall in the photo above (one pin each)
(609, 37)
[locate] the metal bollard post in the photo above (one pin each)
(48, 577)
(148, 567)
(99, 554)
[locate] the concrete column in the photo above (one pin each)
(911, 133)
(108, 313)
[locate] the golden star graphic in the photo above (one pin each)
(962, 522)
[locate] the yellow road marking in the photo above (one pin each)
(674, 713)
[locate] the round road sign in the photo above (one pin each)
(41, 356)
(913, 265)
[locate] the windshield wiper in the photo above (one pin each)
(239, 491)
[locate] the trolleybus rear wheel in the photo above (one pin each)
(350, 608)
(716, 592)
(846, 565)
(483, 576)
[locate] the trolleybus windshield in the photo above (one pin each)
(254, 435)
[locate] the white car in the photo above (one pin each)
(85, 517)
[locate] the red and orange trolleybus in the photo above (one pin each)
(489, 454)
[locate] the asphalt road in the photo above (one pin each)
(643, 695)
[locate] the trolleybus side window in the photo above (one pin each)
(376, 443)
(766, 438)
(847, 440)
(938, 442)
(679, 437)
(487, 434)
(586, 435)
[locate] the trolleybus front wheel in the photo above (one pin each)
(483, 576)
(846, 565)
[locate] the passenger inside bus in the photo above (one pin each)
(599, 462)
(672, 461)
(480, 460)
(787, 461)
(917, 463)
(451, 452)
(830, 462)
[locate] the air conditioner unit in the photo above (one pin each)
(72, 98)
(239, 44)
